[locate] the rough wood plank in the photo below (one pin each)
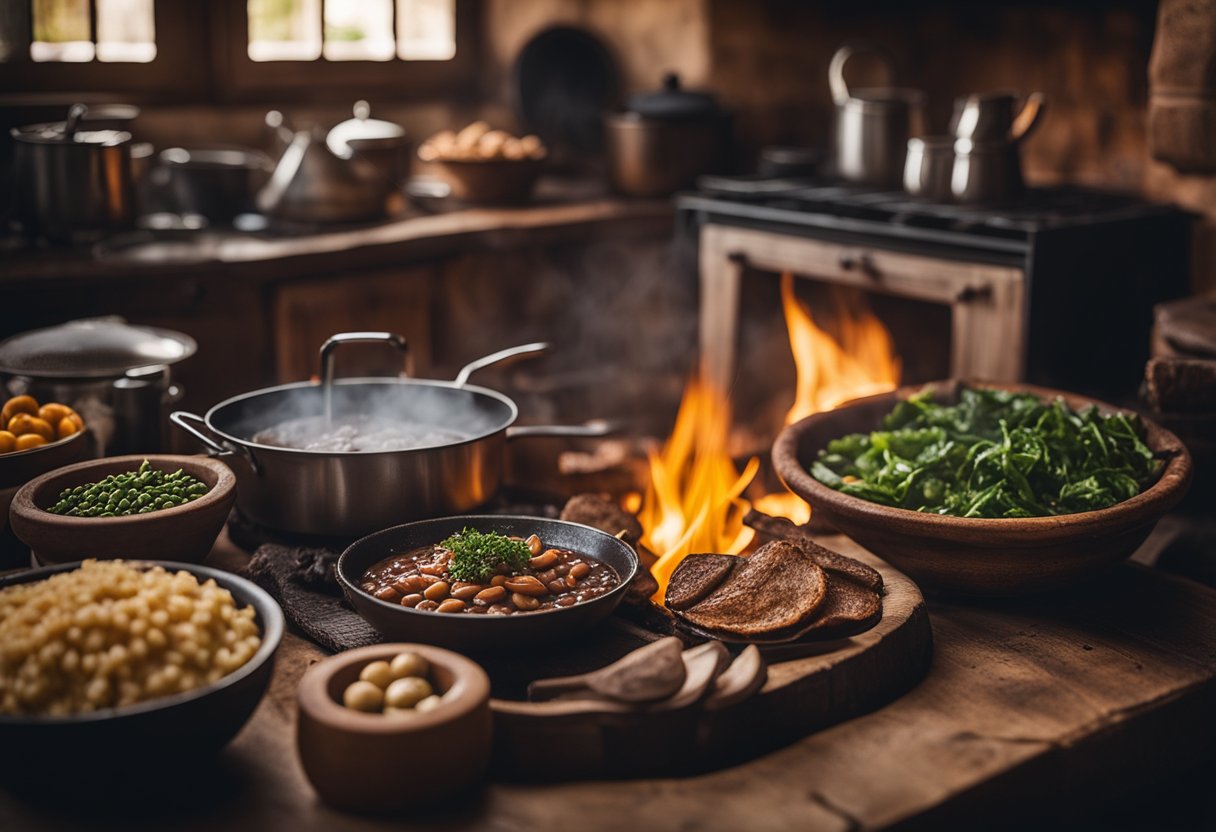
(1014, 706)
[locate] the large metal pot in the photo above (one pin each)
(665, 140)
(117, 376)
(348, 494)
(72, 184)
(873, 126)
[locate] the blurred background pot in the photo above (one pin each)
(665, 140)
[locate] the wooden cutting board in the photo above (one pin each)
(848, 677)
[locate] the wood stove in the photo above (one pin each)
(1056, 289)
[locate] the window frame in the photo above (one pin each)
(202, 57)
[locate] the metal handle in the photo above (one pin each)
(332, 343)
(587, 430)
(972, 293)
(524, 350)
(861, 262)
(1030, 116)
(180, 417)
(75, 113)
(840, 89)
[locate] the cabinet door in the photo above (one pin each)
(396, 300)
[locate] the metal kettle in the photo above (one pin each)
(311, 184)
(873, 125)
(989, 129)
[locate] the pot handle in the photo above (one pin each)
(1030, 116)
(840, 89)
(522, 351)
(332, 342)
(592, 429)
(181, 419)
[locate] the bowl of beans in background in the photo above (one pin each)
(399, 580)
(363, 754)
(117, 670)
(172, 508)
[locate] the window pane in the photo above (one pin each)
(426, 30)
(359, 30)
(126, 31)
(61, 31)
(284, 30)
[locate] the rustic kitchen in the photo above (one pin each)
(607, 414)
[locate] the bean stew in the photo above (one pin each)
(438, 578)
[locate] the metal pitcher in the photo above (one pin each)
(989, 130)
(873, 125)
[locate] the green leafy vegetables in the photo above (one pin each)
(994, 454)
(475, 555)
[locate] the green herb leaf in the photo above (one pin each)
(475, 555)
(993, 454)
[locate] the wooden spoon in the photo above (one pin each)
(702, 664)
(648, 674)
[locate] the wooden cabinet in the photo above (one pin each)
(305, 313)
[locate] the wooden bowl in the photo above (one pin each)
(182, 533)
(484, 632)
(19, 467)
(159, 736)
(978, 556)
(366, 762)
(489, 181)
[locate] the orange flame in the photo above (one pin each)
(693, 503)
(830, 372)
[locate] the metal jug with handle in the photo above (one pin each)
(989, 129)
(873, 125)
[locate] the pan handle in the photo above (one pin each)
(332, 342)
(592, 429)
(522, 351)
(182, 418)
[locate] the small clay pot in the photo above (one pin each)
(183, 533)
(375, 763)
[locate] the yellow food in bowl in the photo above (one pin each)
(108, 634)
(25, 424)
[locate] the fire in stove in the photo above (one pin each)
(695, 500)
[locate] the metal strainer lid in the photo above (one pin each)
(92, 348)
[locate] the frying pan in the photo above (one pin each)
(351, 493)
(462, 631)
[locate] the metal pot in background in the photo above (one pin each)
(117, 376)
(665, 140)
(382, 143)
(928, 168)
(72, 185)
(873, 125)
(218, 184)
(989, 130)
(311, 184)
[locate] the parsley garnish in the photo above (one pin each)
(476, 554)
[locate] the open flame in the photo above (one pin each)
(694, 501)
(831, 371)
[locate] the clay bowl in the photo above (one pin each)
(489, 181)
(467, 632)
(975, 556)
(19, 467)
(159, 736)
(377, 763)
(182, 533)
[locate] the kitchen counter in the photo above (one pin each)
(319, 250)
(1041, 713)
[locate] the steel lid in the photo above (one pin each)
(362, 128)
(92, 348)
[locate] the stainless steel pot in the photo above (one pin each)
(873, 126)
(990, 130)
(929, 166)
(72, 185)
(117, 376)
(346, 494)
(665, 140)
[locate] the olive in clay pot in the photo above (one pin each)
(358, 761)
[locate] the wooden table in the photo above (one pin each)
(1030, 709)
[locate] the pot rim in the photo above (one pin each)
(471, 388)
